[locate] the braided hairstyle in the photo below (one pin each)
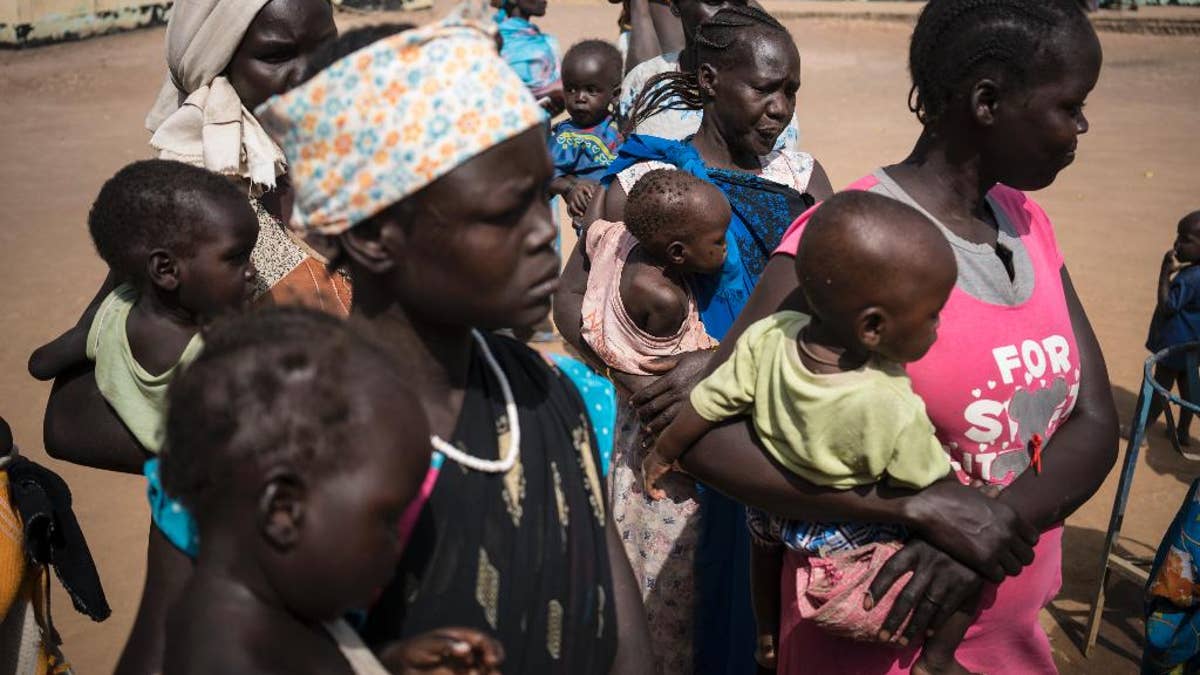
(713, 42)
(956, 40)
(284, 385)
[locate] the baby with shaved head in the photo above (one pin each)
(876, 273)
(831, 402)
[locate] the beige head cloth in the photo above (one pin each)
(198, 117)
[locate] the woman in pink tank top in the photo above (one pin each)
(1016, 384)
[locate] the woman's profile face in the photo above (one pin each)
(754, 98)
(273, 55)
(1037, 128)
(478, 248)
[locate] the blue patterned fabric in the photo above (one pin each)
(529, 51)
(1173, 596)
(600, 397)
(762, 212)
(584, 153)
(821, 539)
(169, 516)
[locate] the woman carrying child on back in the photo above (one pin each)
(745, 86)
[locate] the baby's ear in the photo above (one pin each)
(677, 253)
(871, 326)
(281, 508)
(162, 267)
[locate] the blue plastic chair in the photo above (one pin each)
(1137, 569)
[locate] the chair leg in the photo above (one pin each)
(1097, 613)
(1132, 451)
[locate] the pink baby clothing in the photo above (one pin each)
(829, 590)
(607, 326)
(1002, 377)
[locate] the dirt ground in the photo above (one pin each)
(72, 115)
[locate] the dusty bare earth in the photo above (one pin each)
(70, 115)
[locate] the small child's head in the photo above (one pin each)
(591, 77)
(1187, 238)
(295, 442)
(679, 219)
(526, 8)
(183, 230)
(878, 272)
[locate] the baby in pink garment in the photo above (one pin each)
(638, 305)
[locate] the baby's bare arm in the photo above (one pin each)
(654, 302)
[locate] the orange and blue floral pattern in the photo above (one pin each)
(391, 118)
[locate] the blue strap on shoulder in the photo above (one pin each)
(171, 518)
(599, 397)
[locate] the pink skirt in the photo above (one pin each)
(1006, 638)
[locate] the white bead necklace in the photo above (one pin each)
(509, 459)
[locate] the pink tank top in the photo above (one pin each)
(607, 326)
(1004, 372)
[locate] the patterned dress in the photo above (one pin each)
(523, 555)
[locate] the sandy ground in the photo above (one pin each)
(72, 115)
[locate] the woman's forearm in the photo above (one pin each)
(982, 533)
(568, 299)
(731, 459)
(1083, 450)
(633, 635)
(643, 38)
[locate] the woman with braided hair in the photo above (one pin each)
(650, 96)
(1016, 384)
(691, 552)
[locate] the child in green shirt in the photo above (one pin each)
(831, 402)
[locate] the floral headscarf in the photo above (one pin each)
(391, 118)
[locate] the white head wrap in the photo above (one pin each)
(198, 117)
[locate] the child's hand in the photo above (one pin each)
(1170, 263)
(654, 467)
(580, 197)
(446, 651)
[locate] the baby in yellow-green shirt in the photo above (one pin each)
(830, 401)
